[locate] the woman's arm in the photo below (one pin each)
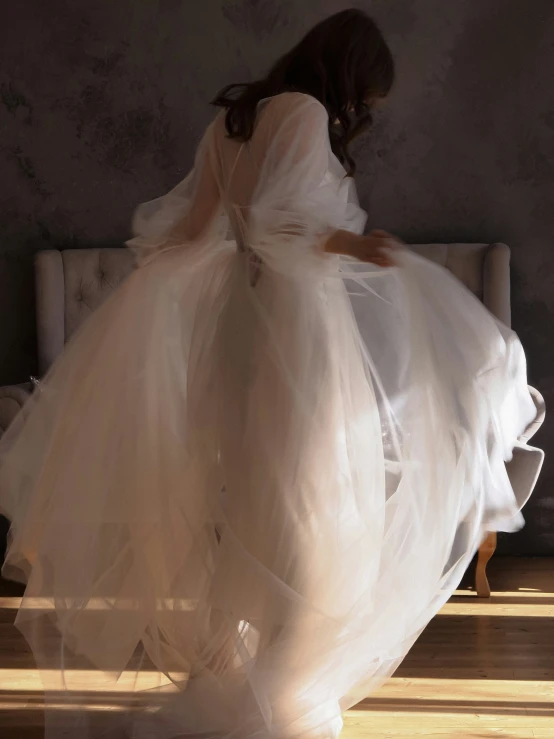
(187, 215)
(205, 204)
(376, 248)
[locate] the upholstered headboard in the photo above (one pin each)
(71, 284)
(483, 268)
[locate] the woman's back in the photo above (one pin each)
(289, 141)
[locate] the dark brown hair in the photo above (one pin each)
(344, 62)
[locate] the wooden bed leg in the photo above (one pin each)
(486, 551)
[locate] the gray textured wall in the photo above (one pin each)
(101, 104)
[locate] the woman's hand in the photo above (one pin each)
(376, 248)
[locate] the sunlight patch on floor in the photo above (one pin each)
(522, 593)
(88, 681)
(495, 606)
(464, 603)
(94, 604)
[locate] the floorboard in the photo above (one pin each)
(483, 669)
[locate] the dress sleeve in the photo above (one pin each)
(303, 193)
(189, 214)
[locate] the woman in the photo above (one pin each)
(264, 464)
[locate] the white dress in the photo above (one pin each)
(259, 470)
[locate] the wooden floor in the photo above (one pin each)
(482, 669)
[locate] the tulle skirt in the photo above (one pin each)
(243, 492)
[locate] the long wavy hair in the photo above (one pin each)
(344, 62)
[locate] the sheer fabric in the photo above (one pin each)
(259, 469)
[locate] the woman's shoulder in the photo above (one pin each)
(291, 102)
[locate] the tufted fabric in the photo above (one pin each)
(70, 285)
(90, 276)
(73, 283)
